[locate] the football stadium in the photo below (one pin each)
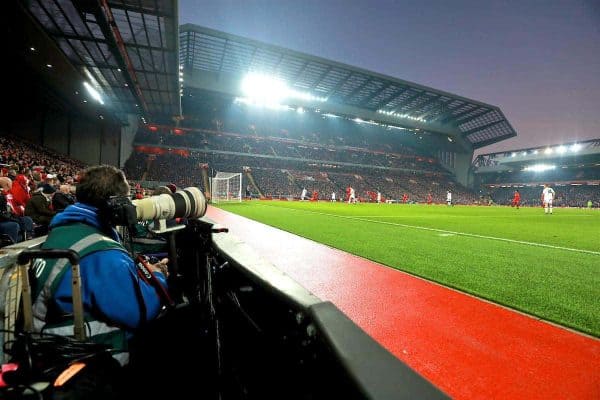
(330, 231)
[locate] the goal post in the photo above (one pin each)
(226, 186)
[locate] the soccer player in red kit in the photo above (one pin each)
(429, 198)
(516, 199)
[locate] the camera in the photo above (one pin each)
(187, 203)
(119, 211)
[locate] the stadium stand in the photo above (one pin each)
(311, 164)
(573, 169)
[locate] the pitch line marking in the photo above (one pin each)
(549, 246)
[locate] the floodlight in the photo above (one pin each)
(539, 167)
(93, 92)
(548, 151)
(268, 90)
(561, 149)
(264, 88)
(575, 147)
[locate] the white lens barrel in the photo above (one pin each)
(187, 203)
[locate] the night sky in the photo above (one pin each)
(539, 61)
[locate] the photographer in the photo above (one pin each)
(117, 296)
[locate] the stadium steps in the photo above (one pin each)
(205, 179)
(253, 183)
(148, 165)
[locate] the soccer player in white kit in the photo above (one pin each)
(303, 195)
(378, 197)
(333, 197)
(547, 197)
(449, 198)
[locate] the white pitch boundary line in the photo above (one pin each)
(596, 253)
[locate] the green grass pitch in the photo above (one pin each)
(544, 265)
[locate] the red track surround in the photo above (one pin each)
(469, 348)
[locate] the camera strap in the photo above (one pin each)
(144, 272)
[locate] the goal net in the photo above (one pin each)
(226, 186)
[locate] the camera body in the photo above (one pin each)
(120, 211)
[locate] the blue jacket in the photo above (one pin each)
(109, 278)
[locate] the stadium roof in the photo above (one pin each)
(583, 153)
(127, 50)
(215, 52)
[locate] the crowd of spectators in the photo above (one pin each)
(210, 141)
(556, 175)
(29, 177)
(37, 183)
(284, 163)
(20, 157)
(566, 195)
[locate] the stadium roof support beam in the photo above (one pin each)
(407, 101)
(433, 110)
(480, 128)
(120, 43)
(301, 70)
(357, 90)
(483, 112)
(223, 55)
(104, 41)
(446, 117)
(341, 83)
(432, 99)
(143, 7)
(377, 93)
(456, 117)
(320, 78)
(393, 98)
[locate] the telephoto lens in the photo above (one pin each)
(187, 203)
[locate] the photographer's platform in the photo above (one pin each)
(470, 348)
